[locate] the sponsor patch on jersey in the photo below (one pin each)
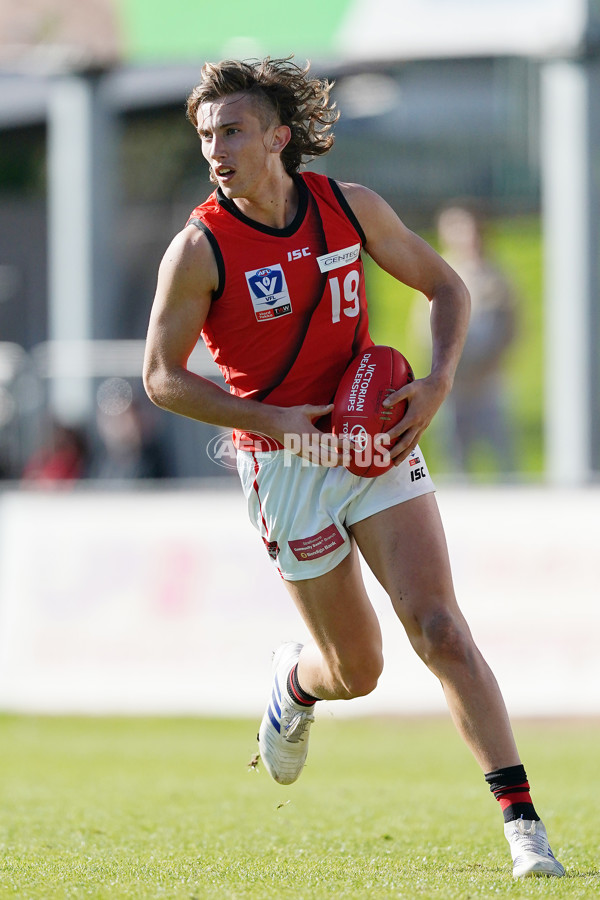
(269, 292)
(338, 258)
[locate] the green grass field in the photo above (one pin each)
(156, 808)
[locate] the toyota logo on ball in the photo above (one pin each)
(359, 437)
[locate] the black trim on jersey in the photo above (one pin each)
(317, 300)
(217, 252)
(347, 209)
(288, 231)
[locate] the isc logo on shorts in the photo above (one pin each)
(269, 292)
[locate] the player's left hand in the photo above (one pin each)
(424, 397)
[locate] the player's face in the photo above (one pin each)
(242, 151)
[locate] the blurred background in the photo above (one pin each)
(124, 541)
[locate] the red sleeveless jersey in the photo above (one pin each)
(290, 310)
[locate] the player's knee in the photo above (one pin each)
(359, 678)
(444, 638)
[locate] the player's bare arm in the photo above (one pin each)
(187, 279)
(412, 261)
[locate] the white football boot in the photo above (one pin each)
(530, 849)
(283, 734)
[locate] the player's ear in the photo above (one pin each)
(281, 138)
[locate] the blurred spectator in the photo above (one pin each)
(476, 410)
(127, 450)
(62, 459)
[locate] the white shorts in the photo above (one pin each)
(303, 511)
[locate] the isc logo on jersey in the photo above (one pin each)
(269, 292)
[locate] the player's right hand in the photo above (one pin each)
(294, 428)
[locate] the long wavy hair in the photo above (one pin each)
(280, 87)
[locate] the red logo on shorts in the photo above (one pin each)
(317, 544)
(272, 548)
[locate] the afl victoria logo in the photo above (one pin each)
(269, 292)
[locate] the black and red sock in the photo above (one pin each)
(511, 789)
(297, 694)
